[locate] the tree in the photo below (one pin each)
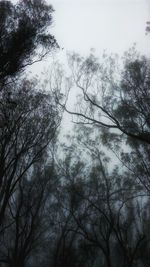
(112, 100)
(115, 101)
(26, 218)
(147, 27)
(102, 203)
(29, 122)
(23, 36)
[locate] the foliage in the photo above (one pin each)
(23, 35)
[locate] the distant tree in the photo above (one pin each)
(147, 27)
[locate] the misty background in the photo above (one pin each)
(74, 133)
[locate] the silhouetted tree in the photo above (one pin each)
(23, 36)
(26, 218)
(102, 204)
(110, 99)
(29, 122)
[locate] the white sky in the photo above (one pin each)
(113, 25)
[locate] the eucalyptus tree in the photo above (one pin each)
(24, 38)
(26, 228)
(104, 205)
(28, 126)
(113, 97)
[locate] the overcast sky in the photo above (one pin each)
(113, 25)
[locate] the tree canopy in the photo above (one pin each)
(81, 199)
(24, 35)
